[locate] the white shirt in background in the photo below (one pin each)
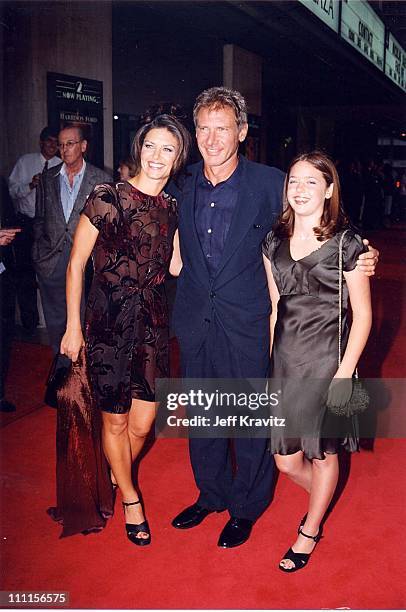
(20, 178)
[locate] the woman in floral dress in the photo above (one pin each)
(128, 227)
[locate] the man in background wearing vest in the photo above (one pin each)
(61, 195)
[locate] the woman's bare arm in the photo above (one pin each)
(176, 262)
(360, 299)
(83, 243)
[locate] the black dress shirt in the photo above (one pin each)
(214, 209)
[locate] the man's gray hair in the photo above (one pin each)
(220, 97)
(75, 126)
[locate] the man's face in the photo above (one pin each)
(218, 135)
(71, 148)
(49, 147)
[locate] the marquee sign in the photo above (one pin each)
(326, 10)
(358, 24)
(362, 28)
(395, 63)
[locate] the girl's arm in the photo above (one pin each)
(176, 262)
(274, 295)
(83, 243)
(360, 299)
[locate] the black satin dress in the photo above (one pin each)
(305, 346)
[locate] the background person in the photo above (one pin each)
(129, 227)
(389, 191)
(7, 236)
(374, 196)
(126, 168)
(353, 190)
(22, 183)
(61, 195)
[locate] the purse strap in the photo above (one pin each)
(340, 298)
(340, 293)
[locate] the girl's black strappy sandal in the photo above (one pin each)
(300, 560)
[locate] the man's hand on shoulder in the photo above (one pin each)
(367, 262)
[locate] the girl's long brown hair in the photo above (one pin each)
(333, 218)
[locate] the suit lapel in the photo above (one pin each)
(243, 217)
(56, 193)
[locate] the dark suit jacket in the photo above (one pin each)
(51, 231)
(238, 294)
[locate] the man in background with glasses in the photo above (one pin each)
(61, 195)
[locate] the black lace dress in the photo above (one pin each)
(305, 346)
(126, 321)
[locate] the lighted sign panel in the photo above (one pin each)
(362, 28)
(395, 64)
(78, 100)
(326, 10)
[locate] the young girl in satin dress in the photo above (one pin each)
(301, 257)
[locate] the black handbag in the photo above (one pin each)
(56, 377)
(359, 400)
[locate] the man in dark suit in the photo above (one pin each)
(61, 195)
(227, 205)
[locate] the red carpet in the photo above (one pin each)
(358, 564)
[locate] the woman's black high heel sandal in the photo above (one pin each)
(302, 522)
(133, 530)
(300, 560)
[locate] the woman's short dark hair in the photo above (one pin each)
(333, 218)
(220, 97)
(175, 127)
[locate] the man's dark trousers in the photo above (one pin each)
(53, 296)
(247, 493)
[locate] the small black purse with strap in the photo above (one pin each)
(359, 400)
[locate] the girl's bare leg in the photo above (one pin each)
(323, 484)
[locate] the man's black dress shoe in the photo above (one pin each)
(236, 532)
(190, 517)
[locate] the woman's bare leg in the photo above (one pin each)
(117, 448)
(140, 420)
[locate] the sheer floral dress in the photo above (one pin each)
(126, 320)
